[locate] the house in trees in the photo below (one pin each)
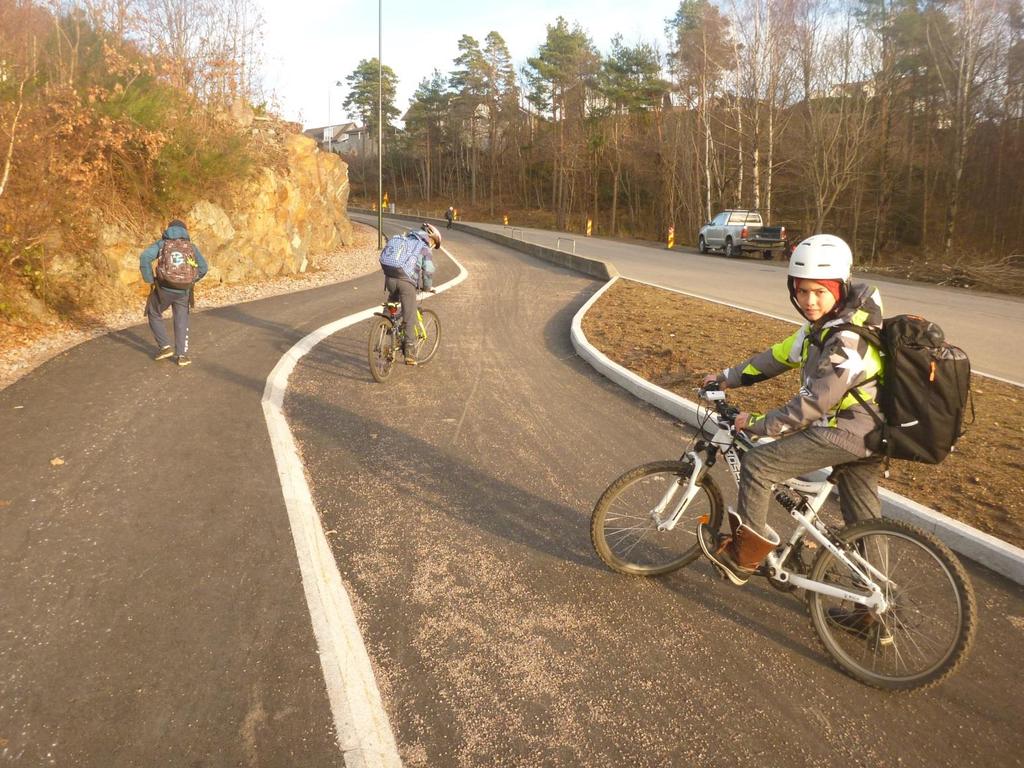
(344, 139)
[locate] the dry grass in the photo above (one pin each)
(672, 340)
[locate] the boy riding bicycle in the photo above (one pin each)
(824, 424)
(407, 266)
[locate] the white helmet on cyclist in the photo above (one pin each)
(821, 257)
(433, 233)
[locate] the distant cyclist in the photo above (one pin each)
(407, 266)
(823, 425)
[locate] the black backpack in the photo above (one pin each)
(923, 392)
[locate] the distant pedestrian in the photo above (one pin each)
(179, 266)
(449, 216)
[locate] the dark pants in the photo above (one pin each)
(800, 453)
(159, 300)
(399, 288)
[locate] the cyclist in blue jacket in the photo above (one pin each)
(402, 282)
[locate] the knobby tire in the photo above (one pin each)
(381, 350)
(624, 531)
(930, 626)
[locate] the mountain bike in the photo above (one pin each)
(387, 335)
(890, 603)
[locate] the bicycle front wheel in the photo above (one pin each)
(929, 626)
(624, 525)
(381, 349)
(428, 336)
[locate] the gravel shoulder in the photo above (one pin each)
(672, 340)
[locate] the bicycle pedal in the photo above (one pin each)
(718, 570)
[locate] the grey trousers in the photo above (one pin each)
(398, 288)
(159, 300)
(795, 455)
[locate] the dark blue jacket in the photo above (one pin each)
(150, 255)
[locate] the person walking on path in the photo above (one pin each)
(179, 266)
(449, 215)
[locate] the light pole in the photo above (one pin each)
(380, 123)
(330, 136)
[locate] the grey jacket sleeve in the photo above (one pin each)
(778, 358)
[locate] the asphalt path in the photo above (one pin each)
(153, 611)
(987, 326)
(456, 498)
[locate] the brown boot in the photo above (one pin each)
(739, 555)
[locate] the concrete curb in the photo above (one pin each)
(976, 545)
(983, 548)
(601, 270)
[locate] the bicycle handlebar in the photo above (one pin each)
(727, 412)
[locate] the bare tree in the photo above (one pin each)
(960, 55)
(13, 134)
(836, 115)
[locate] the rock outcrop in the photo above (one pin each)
(284, 222)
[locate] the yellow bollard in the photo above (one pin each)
(671, 237)
(590, 226)
(505, 219)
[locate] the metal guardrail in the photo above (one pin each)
(558, 244)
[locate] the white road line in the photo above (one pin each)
(364, 733)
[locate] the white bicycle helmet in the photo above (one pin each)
(821, 257)
(433, 233)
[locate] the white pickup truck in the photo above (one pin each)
(736, 231)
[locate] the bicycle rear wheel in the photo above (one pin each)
(428, 342)
(381, 349)
(929, 627)
(624, 524)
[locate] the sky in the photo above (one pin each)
(310, 45)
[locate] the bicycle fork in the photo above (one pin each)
(691, 491)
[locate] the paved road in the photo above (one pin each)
(981, 323)
(458, 499)
(153, 613)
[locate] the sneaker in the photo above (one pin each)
(183, 361)
(164, 353)
(860, 622)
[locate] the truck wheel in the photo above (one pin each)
(702, 245)
(730, 252)
(767, 255)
